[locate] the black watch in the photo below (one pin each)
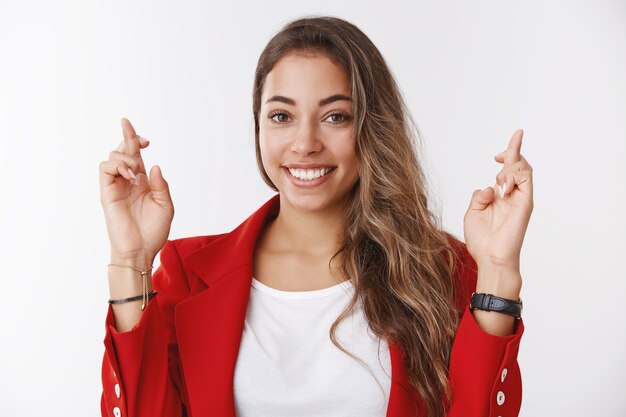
(490, 302)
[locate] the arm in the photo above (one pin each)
(502, 283)
(484, 373)
(140, 369)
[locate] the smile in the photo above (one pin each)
(308, 178)
(309, 174)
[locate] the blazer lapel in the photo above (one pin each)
(210, 323)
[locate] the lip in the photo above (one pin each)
(309, 183)
(307, 166)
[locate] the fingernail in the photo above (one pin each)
(130, 171)
(138, 179)
(501, 191)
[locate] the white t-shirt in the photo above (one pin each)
(287, 365)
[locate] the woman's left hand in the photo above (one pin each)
(495, 224)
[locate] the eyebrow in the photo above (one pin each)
(322, 102)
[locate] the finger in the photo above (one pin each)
(110, 170)
(143, 143)
(131, 139)
(516, 167)
(512, 153)
(522, 180)
(508, 178)
(481, 199)
(500, 158)
(134, 163)
(525, 162)
(160, 188)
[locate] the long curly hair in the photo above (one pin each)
(400, 260)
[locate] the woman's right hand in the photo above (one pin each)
(138, 211)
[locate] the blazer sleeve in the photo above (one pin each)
(484, 373)
(141, 373)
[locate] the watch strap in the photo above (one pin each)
(490, 302)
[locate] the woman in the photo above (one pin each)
(238, 323)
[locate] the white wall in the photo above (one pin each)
(472, 72)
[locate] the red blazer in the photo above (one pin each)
(179, 360)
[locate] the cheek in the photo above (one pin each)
(345, 148)
(270, 150)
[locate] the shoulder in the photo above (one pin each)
(465, 271)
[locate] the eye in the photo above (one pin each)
(273, 114)
(341, 117)
(280, 117)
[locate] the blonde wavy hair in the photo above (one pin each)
(401, 262)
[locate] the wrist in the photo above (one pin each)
(126, 280)
(501, 281)
(141, 261)
(488, 302)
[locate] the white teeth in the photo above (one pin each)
(309, 174)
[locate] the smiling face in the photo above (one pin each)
(306, 132)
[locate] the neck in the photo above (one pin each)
(319, 232)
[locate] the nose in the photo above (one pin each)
(306, 140)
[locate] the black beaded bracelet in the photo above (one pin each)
(135, 298)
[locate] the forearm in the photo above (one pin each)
(124, 283)
(502, 282)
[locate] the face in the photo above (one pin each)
(306, 132)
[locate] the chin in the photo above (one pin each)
(313, 202)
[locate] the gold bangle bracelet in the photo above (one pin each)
(144, 284)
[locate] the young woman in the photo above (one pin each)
(341, 295)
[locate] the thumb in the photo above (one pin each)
(159, 187)
(481, 199)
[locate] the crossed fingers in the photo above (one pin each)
(130, 147)
(516, 170)
(125, 160)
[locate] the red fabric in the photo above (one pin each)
(179, 360)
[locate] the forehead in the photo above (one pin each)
(306, 77)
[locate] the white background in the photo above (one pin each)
(471, 72)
